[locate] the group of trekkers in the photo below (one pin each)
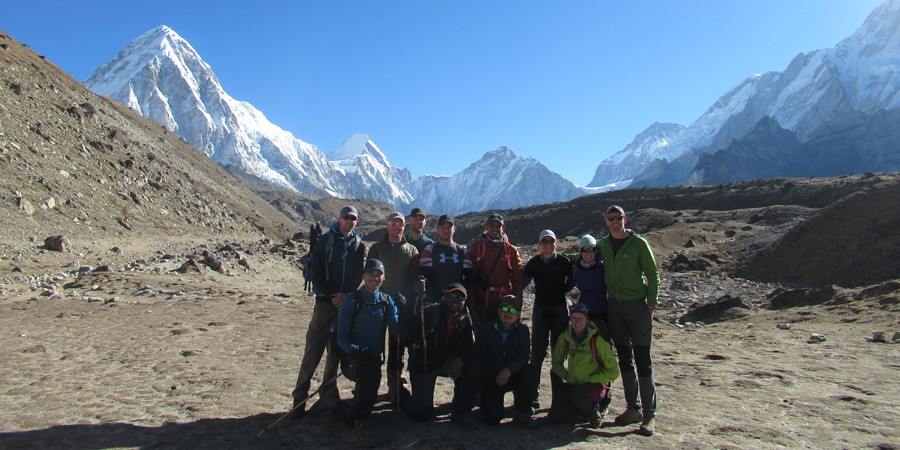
(458, 313)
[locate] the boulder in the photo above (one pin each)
(57, 243)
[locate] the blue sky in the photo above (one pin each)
(435, 84)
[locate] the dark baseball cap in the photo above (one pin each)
(494, 217)
(373, 264)
(418, 212)
(446, 218)
(456, 287)
(510, 300)
(615, 208)
(349, 210)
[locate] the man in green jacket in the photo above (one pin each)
(401, 267)
(591, 367)
(632, 282)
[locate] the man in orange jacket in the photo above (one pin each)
(497, 271)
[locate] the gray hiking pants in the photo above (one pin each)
(631, 328)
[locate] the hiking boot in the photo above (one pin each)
(325, 403)
(361, 434)
(592, 419)
(604, 412)
(464, 420)
(631, 415)
(524, 420)
(298, 410)
(647, 426)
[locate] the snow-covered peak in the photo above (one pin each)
(357, 145)
(147, 50)
(648, 145)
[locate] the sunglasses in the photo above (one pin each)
(548, 241)
(578, 307)
(457, 298)
(509, 309)
(588, 250)
(614, 218)
(350, 218)
(396, 224)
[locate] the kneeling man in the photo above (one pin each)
(444, 350)
(499, 364)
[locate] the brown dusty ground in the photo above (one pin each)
(82, 371)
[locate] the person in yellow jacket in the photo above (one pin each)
(590, 370)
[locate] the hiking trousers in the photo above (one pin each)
(631, 327)
(317, 340)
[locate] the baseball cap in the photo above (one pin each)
(494, 217)
(394, 216)
(509, 300)
(456, 287)
(546, 233)
(446, 218)
(373, 264)
(349, 210)
(615, 208)
(418, 212)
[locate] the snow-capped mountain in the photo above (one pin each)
(621, 167)
(819, 95)
(501, 179)
(163, 78)
(368, 173)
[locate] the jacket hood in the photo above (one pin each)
(336, 227)
(608, 237)
(486, 238)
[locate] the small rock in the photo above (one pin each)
(784, 326)
(896, 336)
(191, 352)
(816, 338)
(878, 336)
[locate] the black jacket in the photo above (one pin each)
(491, 355)
(340, 267)
(441, 340)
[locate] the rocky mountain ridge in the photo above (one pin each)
(826, 98)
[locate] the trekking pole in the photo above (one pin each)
(302, 402)
(422, 316)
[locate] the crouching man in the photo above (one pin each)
(591, 368)
(363, 319)
(499, 364)
(444, 350)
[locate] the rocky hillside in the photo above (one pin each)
(800, 231)
(78, 164)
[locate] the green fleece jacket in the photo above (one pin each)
(631, 274)
(583, 367)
